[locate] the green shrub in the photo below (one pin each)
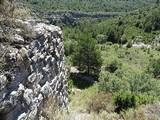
(69, 47)
(154, 68)
(129, 79)
(129, 44)
(132, 87)
(124, 100)
(138, 82)
(138, 114)
(116, 46)
(111, 83)
(151, 22)
(148, 50)
(70, 83)
(158, 48)
(120, 22)
(109, 43)
(101, 38)
(113, 65)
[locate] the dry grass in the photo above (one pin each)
(100, 102)
(137, 114)
(22, 13)
(9, 12)
(6, 10)
(99, 105)
(131, 114)
(13, 10)
(79, 98)
(52, 111)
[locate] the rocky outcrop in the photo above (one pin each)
(34, 69)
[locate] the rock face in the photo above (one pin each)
(34, 70)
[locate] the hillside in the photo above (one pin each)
(113, 62)
(89, 5)
(137, 26)
(129, 80)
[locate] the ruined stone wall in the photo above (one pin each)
(36, 70)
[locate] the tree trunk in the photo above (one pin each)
(88, 63)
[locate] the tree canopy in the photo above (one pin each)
(87, 56)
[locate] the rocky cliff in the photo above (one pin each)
(33, 70)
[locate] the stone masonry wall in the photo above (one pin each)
(36, 69)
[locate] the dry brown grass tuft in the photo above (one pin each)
(13, 10)
(137, 114)
(52, 110)
(6, 10)
(9, 12)
(100, 102)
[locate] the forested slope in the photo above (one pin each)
(138, 26)
(89, 5)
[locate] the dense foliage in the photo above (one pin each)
(138, 83)
(125, 73)
(89, 5)
(138, 26)
(154, 68)
(87, 56)
(130, 72)
(152, 21)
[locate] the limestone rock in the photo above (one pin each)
(21, 87)
(28, 96)
(3, 81)
(22, 116)
(36, 70)
(18, 39)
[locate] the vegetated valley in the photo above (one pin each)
(113, 62)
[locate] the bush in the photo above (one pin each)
(138, 82)
(100, 102)
(154, 68)
(124, 100)
(152, 21)
(138, 114)
(158, 48)
(135, 87)
(120, 22)
(129, 79)
(116, 46)
(113, 65)
(69, 46)
(111, 83)
(109, 43)
(129, 44)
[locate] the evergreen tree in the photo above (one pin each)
(88, 56)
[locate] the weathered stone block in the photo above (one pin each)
(41, 73)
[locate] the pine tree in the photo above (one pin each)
(88, 56)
